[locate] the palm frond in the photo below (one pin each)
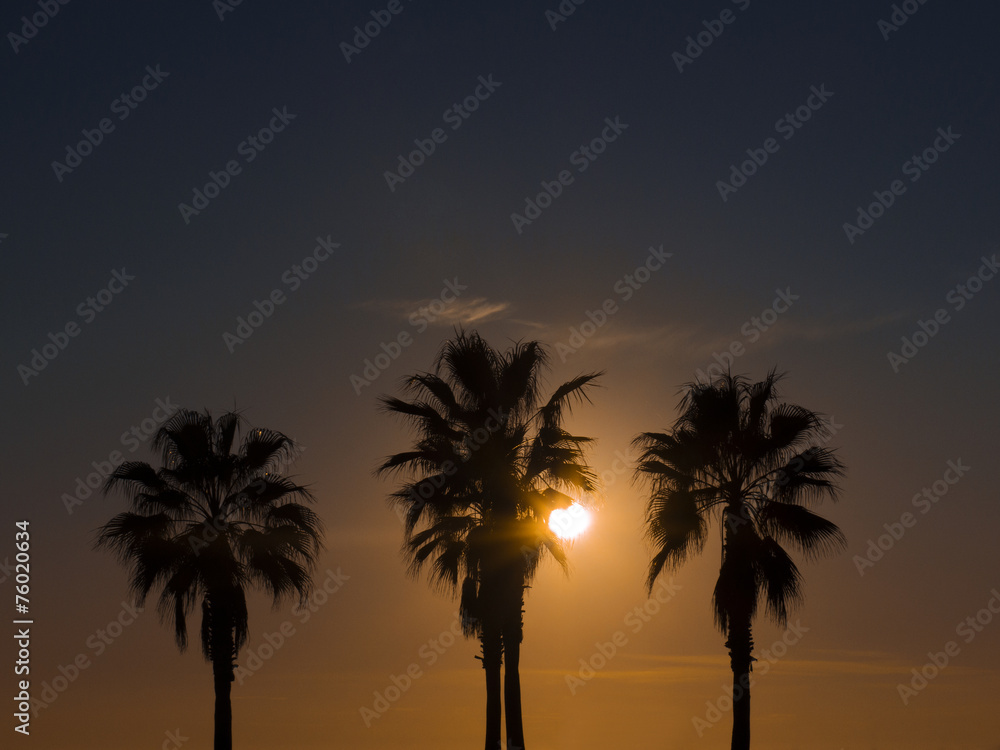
(812, 534)
(779, 578)
(211, 522)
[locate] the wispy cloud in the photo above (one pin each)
(476, 310)
(788, 329)
(435, 312)
(691, 340)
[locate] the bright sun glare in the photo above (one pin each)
(569, 523)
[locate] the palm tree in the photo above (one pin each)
(489, 464)
(737, 454)
(209, 525)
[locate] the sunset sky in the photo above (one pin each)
(257, 205)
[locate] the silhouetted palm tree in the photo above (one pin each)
(489, 464)
(207, 526)
(737, 454)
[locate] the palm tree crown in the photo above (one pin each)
(210, 524)
(491, 461)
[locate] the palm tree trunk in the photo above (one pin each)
(223, 658)
(740, 646)
(512, 634)
(223, 672)
(492, 660)
(511, 606)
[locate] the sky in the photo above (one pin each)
(288, 208)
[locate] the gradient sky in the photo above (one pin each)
(889, 93)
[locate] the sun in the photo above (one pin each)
(569, 523)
